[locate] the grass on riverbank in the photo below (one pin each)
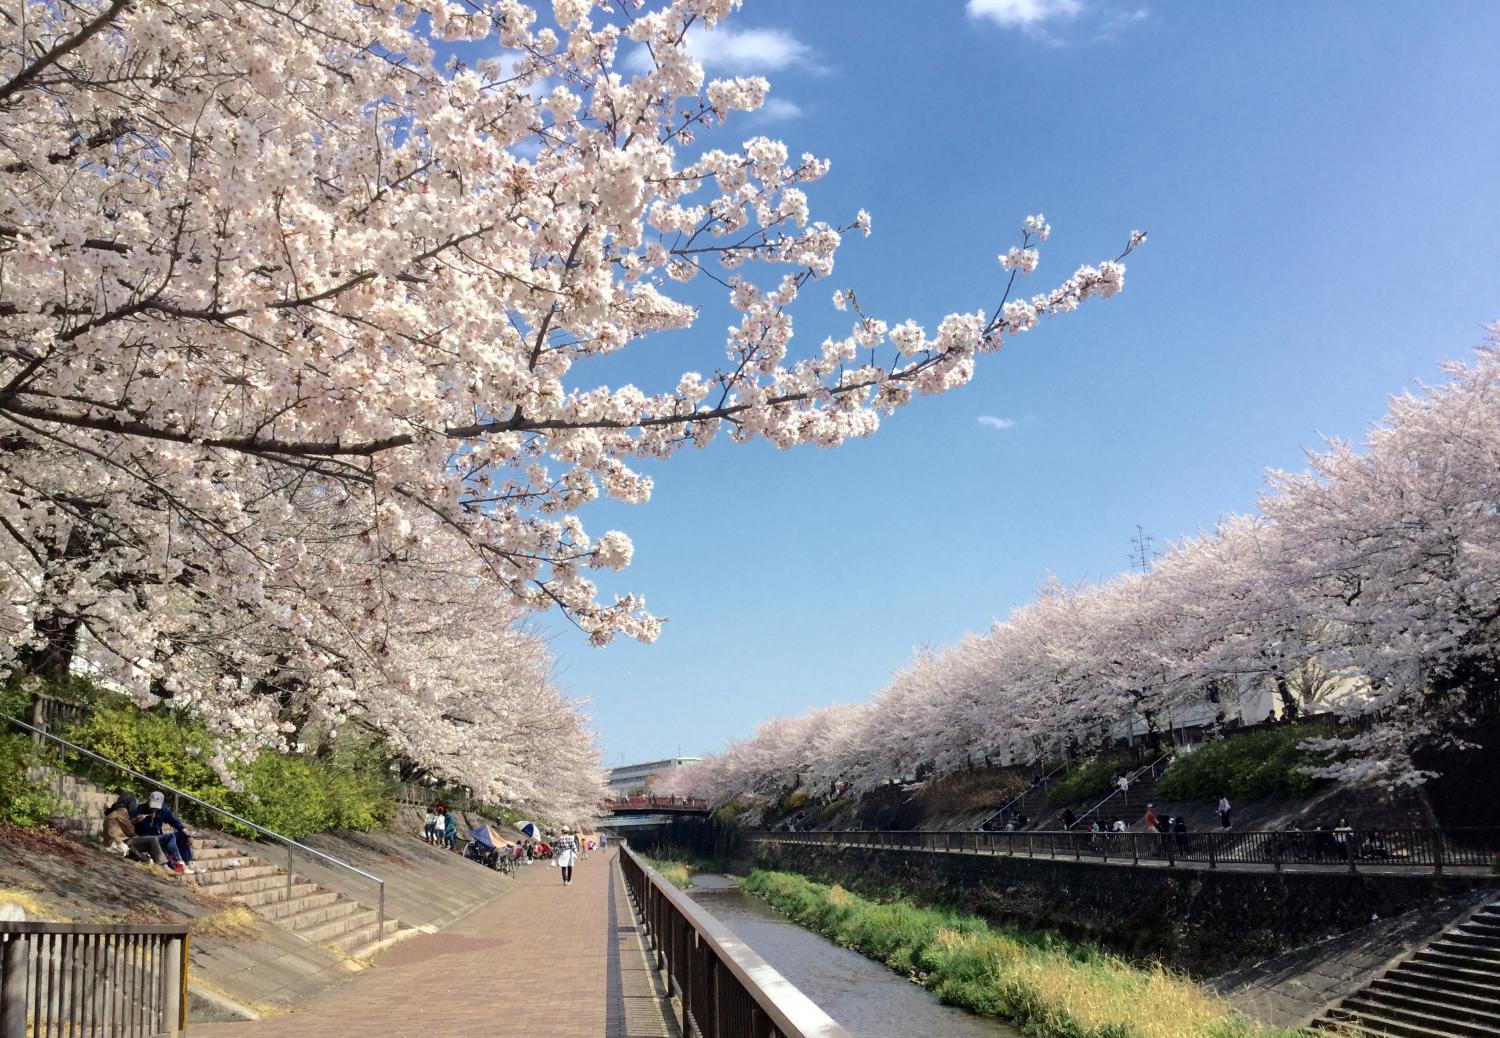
(677, 873)
(1050, 987)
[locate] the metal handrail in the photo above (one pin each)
(1013, 801)
(291, 844)
(1116, 792)
(1329, 850)
(791, 1012)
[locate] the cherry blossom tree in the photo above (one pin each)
(1377, 571)
(249, 247)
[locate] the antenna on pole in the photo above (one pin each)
(1142, 554)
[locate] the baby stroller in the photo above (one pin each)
(481, 847)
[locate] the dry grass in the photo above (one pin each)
(677, 873)
(261, 1009)
(236, 923)
(33, 906)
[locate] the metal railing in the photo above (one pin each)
(291, 845)
(1131, 780)
(1013, 801)
(74, 979)
(727, 991)
(654, 802)
(1328, 850)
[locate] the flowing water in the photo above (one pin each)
(862, 995)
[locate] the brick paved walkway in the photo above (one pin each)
(542, 959)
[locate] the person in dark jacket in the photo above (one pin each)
(177, 844)
(121, 838)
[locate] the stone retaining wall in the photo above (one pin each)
(1202, 921)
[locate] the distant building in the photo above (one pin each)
(633, 778)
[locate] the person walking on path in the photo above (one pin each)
(429, 826)
(450, 829)
(1150, 823)
(566, 851)
(1223, 811)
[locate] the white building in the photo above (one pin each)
(633, 778)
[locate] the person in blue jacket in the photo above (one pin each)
(155, 817)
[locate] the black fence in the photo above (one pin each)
(726, 990)
(1331, 849)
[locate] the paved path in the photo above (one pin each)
(541, 959)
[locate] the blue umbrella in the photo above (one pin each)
(530, 829)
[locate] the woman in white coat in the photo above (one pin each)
(567, 853)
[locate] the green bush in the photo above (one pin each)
(22, 801)
(1246, 767)
(289, 794)
(1088, 781)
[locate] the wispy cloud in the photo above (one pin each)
(1046, 20)
(997, 423)
(778, 109)
(1024, 14)
(747, 50)
(736, 51)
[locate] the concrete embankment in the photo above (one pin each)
(246, 960)
(1203, 921)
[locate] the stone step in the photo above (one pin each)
(356, 943)
(336, 928)
(1426, 1017)
(1463, 945)
(261, 899)
(237, 888)
(1451, 975)
(1393, 987)
(1440, 955)
(1342, 1021)
(213, 877)
(309, 917)
(1474, 935)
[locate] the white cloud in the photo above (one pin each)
(777, 109)
(747, 50)
(997, 423)
(737, 51)
(1024, 14)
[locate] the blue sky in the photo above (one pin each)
(1321, 184)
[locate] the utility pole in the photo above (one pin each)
(1142, 554)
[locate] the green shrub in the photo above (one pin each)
(1246, 767)
(1088, 781)
(289, 794)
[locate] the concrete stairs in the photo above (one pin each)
(1033, 805)
(311, 911)
(85, 802)
(1448, 989)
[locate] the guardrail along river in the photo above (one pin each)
(862, 995)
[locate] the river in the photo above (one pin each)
(867, 999)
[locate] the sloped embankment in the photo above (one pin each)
(244, 962)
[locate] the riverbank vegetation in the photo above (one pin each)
(1048, 986)
(677, 873)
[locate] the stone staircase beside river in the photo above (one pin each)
(1450, 988)
(227, 869)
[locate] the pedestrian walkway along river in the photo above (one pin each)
(867, 999)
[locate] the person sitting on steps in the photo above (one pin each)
(121, 838)
(176, 844)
